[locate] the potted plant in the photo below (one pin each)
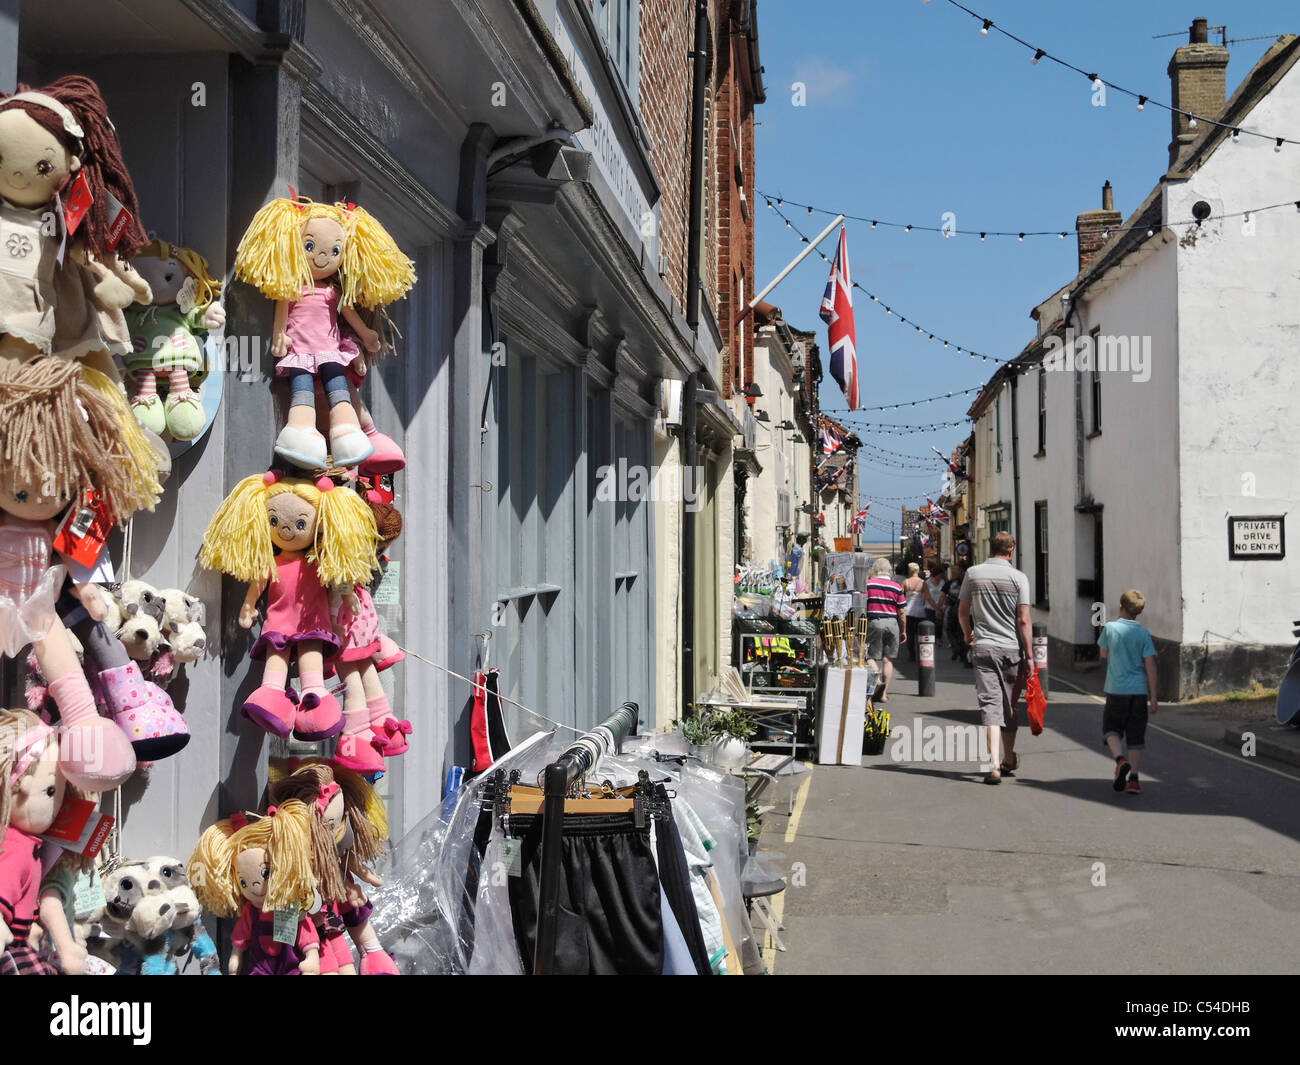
(732, 727)
(698, 732)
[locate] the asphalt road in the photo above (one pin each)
(919, 867)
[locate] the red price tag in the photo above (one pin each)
(84, 531)
(77, 203)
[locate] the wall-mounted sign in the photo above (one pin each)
(1261, 537)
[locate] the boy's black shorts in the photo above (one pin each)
(1125, 716)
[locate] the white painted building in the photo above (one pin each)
(780, 473)
(1122, 470)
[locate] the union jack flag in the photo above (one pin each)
(837, 313)
(859, 520)
(937, 515)
(831, 440)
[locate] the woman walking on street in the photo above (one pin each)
(913, 607)
(952, 593)
(932, 597)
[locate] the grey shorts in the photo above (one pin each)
(996, 671)
(882, 638)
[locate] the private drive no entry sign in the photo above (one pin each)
(1261, 537)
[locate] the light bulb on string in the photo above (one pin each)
(1021, 239)
(984, 30)
(1142, 102)
(1278, 146)
(1191, 122)
(1037, 55)
(981, 238)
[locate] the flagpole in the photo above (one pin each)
(793, 263)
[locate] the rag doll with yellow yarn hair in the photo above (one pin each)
(319, 261)
(296, 539)
(255, 866)
(167, 337)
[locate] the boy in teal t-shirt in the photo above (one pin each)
(1130, 688)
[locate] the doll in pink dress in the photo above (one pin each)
(254, 867)
(320, 262)
(294, 539)
(30, 774)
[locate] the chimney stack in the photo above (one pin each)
(1197, 73)
(1095, 228)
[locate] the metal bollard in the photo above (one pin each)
(925, 671)
(1040, 654)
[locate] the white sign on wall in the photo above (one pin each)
(1257, 537)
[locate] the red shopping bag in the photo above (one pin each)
(1035, 703)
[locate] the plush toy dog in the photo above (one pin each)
(152, 908)
(184, 616)
(142, 609)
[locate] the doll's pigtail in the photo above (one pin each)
(346, 538)
(304, 785)
(237, 541)
(270, 256)
(289, 852)
(366, 813)
(101, 161)
(197, 267)
(374, 270)
(13, 725)
(211, 870)
(120, 434)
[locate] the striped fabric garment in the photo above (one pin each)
(884, 598)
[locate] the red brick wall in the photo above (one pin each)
(667, 33)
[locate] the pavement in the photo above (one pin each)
(905, 866)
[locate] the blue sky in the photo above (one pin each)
(911, 113)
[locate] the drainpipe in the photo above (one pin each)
(699, 88)
(1015, 457)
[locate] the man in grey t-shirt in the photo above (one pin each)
(995, 595)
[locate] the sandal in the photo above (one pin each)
(1009, 768)
(994, 777)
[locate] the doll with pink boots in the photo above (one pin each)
(295, 539)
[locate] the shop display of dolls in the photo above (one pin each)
(102, 364)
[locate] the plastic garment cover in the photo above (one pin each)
(717, 798)
(443, 907)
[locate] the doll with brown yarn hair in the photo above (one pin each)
(254, 866)
(50, 139)
(349, 828)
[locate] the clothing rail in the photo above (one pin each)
(578, 759)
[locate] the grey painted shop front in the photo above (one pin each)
(400, 107)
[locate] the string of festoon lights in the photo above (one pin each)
(919, 329)
(893, 429)
(888, 460)
(1095, 80)
(774, 202)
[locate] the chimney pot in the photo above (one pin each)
(1107, 197)
(1200, 31)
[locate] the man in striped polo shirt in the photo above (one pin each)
(886, 626)
(995, 597)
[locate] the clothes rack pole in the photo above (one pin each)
(556, 781)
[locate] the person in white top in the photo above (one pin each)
(914, 607)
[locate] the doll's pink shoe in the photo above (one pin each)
(360, 753)
(319, 716)
(378, 963)
(144, 712)
(349, 446)
(389, 654)
(272, 709)
(387, 457)
(392, 735)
